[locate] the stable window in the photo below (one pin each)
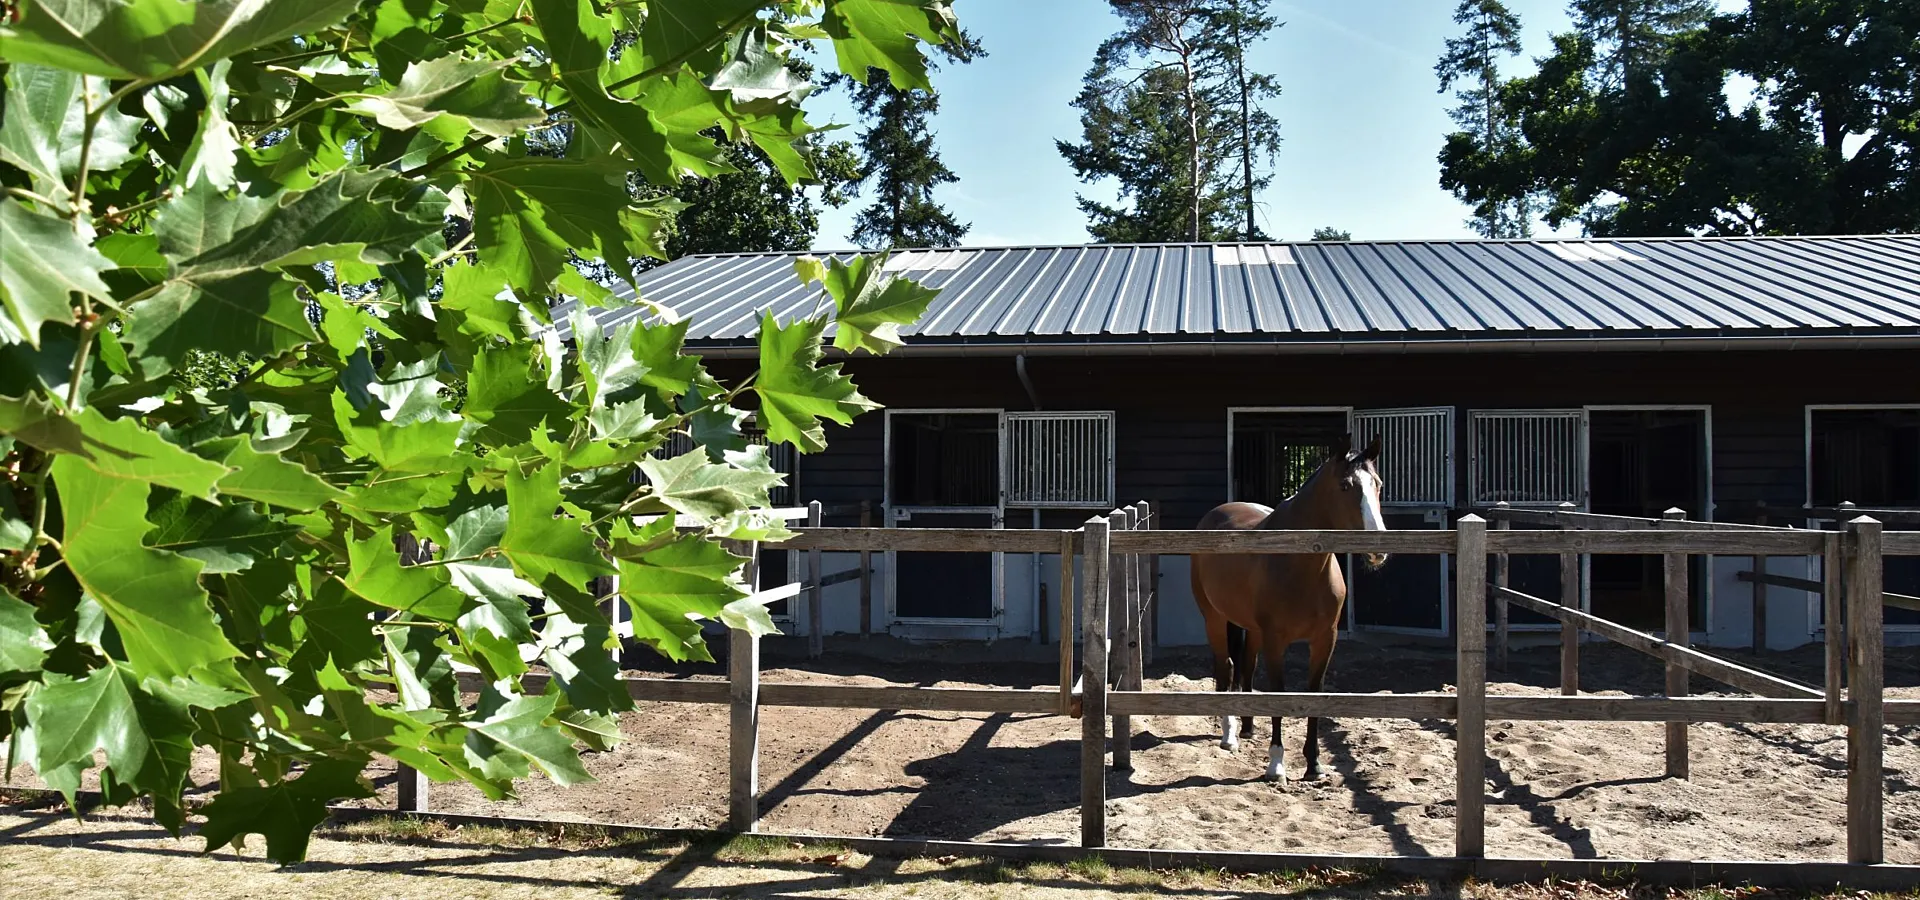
(943, 460)
(1060, 460)
(1868, 457)
(1416, 453)
(1527, 457)
(1274, 452)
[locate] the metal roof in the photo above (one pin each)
(1348, 295)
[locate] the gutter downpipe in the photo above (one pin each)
(1039, 614)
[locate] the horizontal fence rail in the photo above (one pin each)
(923, 540)
(1731, 674)
(1586, 520)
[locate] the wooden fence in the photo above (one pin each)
(1105, 688)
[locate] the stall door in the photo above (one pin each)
(944, 471)
(1409, 593)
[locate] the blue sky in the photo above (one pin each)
(1360, 115)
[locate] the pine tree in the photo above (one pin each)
(1492, 32)
(1330, 233)
(901, 164)
(1170, 111)
(1252, 133)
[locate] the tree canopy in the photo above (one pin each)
(296, 456)
(901, 164)
(1638, 134)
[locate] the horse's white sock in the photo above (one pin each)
(1276, 756)
(1229, 733)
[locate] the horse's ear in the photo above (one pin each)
(1346, 446)
(1373, 449)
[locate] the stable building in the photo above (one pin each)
(1727, 377)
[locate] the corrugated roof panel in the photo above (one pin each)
(1197, 292)
(1770, 297)
(1381, 299)
(1615, 303)
(1336, 303)
(1875, 290)
(1392, 286)
(1443, 265)
(1447, 309)
(1363, 290)
(1232, 291)
(987, 309)
(1501, 284)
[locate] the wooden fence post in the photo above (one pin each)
(411, 793)
(1865, 737)
(1569, 632)
(743, 726)
(1093, 699)
(1151, 626)
(1760, 596)
(1833, 599)
(1126, 601)
(1677, 632)
(1065, 634)
(1501, 577)
(866, 574)
(1470, 724)
(816, 615)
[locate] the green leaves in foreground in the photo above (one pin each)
(870, 305)
(294, 475)
(796, 391)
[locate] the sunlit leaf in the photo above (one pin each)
(475, 90)
(886, 34)
(37, 287)
(520, 726)
(153, 597)
(871, 305)
(154, 39)
(796, 392)
(378, 577)
(703, 490)
(23, 643)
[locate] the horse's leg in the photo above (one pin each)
(1245, 659)
(1320, 653)
(1275, 650)
(1218, 638)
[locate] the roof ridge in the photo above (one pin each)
(1631, 239)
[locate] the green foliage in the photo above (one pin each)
(1627, 127)
(1171, 112)
(290, 447)
(1330, 233)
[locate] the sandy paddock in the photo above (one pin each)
(1582, 789)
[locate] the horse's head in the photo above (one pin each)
(1345, 493)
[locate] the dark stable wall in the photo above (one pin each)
(1171, 412)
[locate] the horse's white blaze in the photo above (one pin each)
(1370, 502)
(1229, 732)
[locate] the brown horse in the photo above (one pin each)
(1260, 603)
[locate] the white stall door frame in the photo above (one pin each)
(892, 516)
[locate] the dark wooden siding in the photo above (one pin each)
(1171, 412)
